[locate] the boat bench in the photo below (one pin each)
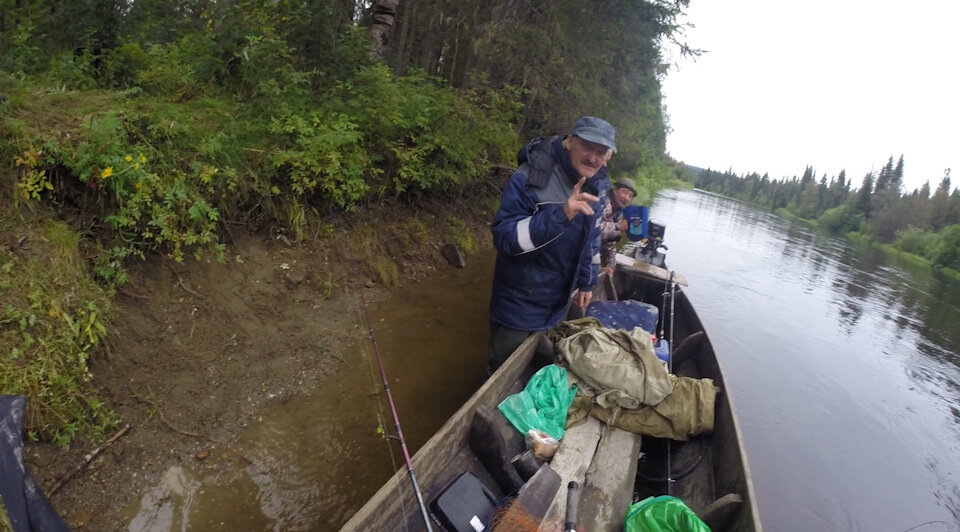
(603, 461)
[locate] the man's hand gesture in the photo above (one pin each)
(579, 201)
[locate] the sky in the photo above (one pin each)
(839, 84)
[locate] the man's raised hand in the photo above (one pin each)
(579, 201)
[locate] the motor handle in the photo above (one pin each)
(573, 501)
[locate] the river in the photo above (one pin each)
(844, 370)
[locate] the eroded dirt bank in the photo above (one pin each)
(202, 346)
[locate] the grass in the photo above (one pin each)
(53, 320)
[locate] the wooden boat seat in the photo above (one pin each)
(603, 461)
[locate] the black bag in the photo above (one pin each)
(465, 505)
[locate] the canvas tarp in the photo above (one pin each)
(624, 384)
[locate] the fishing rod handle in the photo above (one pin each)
(573, 501)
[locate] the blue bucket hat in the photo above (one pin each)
(593, 129)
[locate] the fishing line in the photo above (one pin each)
(382, 432)
(396, 418)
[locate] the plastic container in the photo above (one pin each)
(638, 218)
(662, 349)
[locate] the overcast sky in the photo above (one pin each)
(838, 84)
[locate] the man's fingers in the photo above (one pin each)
(585, 196)
(579, 185)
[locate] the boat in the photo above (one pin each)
(709, 473)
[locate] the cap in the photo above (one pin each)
(593, 129)
(626, 182)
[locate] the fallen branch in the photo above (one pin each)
(89, 458)
(128, 293)
(182, 284)
(170, 426)
(163, 420)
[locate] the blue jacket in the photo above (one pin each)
(541, 256)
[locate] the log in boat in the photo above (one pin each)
(612, 467)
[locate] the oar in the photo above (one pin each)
(396, 418)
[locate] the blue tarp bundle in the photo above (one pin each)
(27, 507)
(624, 315)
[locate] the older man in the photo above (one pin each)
(612, 222)
(547, 233)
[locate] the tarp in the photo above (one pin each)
(624, 384)
(618, 367)
(27, 508)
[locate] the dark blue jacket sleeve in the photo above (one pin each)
(522, 225)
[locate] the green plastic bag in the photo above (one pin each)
(542, 404)
(662, 514)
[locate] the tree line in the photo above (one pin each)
(303, 113)
(924, 222)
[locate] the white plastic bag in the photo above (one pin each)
(541, 444)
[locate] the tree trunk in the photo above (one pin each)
(404, 44)
(381, 27)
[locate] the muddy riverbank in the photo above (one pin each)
(203, 347)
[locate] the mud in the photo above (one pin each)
(202, 347)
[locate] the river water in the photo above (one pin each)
(844, 370)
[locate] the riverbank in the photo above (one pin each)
(198, 349)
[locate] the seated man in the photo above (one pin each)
(612, 222)
(547, 233)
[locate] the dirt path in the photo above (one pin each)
(202, 346)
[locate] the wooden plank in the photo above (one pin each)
(571, 462)
(608, 486)
(635, 266)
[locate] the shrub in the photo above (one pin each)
(946, 252)
(122, 66)
(840, 220)
(324, 159)
(146, 206)
(916, 241)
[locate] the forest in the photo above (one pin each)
(924, 222)
(145, 129)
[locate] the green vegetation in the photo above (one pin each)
(131, 130)
(54, 318)
(920, 223)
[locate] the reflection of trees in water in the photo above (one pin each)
(912, 298)
(949, 493)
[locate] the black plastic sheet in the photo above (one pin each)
(27, 507)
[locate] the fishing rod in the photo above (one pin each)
(396, 418)
(672, 294)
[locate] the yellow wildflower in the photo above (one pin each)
(138, 185)
(107, 172)
(142, 158)
(136, 166)
(128, 158)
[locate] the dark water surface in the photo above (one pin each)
(844, 370)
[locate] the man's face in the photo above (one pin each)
(587, 157)
(623, 195)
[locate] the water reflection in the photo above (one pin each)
(843, 366)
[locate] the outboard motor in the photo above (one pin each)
(649, 249)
